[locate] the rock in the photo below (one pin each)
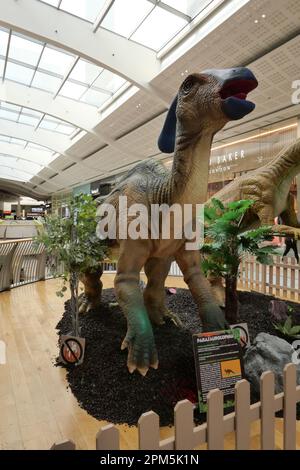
(278, 310)
(268, 352)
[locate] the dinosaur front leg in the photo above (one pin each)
(91, 297)
(212, 316)
(139, 338)
(156, 270)
(286, 230)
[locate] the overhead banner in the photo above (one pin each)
(219, 364)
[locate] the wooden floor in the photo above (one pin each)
(36, 408)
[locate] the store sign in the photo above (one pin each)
(219, 364)
(223, 163)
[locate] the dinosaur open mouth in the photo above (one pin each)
(238, 88)
(233, 94)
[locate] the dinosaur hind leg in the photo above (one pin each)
(91, 297)
(139, 338)
(156, 270)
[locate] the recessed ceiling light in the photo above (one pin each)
(263, 16)
(255, 21)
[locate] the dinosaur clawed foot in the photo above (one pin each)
(142, 352)
(85, 303)
(158, 315)
(173, 317)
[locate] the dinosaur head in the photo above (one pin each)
(208, 100)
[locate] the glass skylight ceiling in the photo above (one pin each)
(21, 160)
(38, 120)
(42, 66)
(148, 22)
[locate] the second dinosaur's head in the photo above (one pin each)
(208, 100)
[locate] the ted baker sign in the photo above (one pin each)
(223, 161)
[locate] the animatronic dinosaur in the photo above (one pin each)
(269, 186)
(204, 104)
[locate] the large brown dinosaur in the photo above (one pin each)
(269, 188)
(204, 104)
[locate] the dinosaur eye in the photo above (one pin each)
(188, 84)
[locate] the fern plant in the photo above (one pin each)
(287, 328)
(226, 244)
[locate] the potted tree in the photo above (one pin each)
(72, 241)
(226, 244)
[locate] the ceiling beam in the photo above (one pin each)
(102, 47)
(22, 189)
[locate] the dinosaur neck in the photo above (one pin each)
(189, 176)
(287, 165)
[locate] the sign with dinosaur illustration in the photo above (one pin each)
(219, 364)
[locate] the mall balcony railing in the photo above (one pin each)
(23, 261)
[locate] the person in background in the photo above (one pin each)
(290, 244)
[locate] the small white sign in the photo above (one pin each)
(244, 334)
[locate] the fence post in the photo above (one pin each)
(267, 388)
(290, 401)
(107, 438)
(65, 445)
(148, 429)
(215, 425)
(184, 425)
(242, 415)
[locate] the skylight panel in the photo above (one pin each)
(55, 61)
(19, 142)
(54, 3)
(4, 138)
(109, 81)
(72, 90)
(158, 28)
(24, 50)
(7, 160)
(28, 119)
(189, 7)
(46, 82)
(3, 42)
(14, 174)
(48, 124)
(11, 107)
(94, 97)
(1, 67)
(19, 73)
(86, 9)
(33, 146)
(8, 115)
(124, 17)
(66, 129)
(85, 72)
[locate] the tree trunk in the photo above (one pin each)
(231, 299)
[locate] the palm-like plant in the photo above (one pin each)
(226, 244)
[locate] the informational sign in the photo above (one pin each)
(71, 349)
(219, 364)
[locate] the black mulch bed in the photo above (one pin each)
(103, 385)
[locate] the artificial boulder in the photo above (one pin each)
(268, 352)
